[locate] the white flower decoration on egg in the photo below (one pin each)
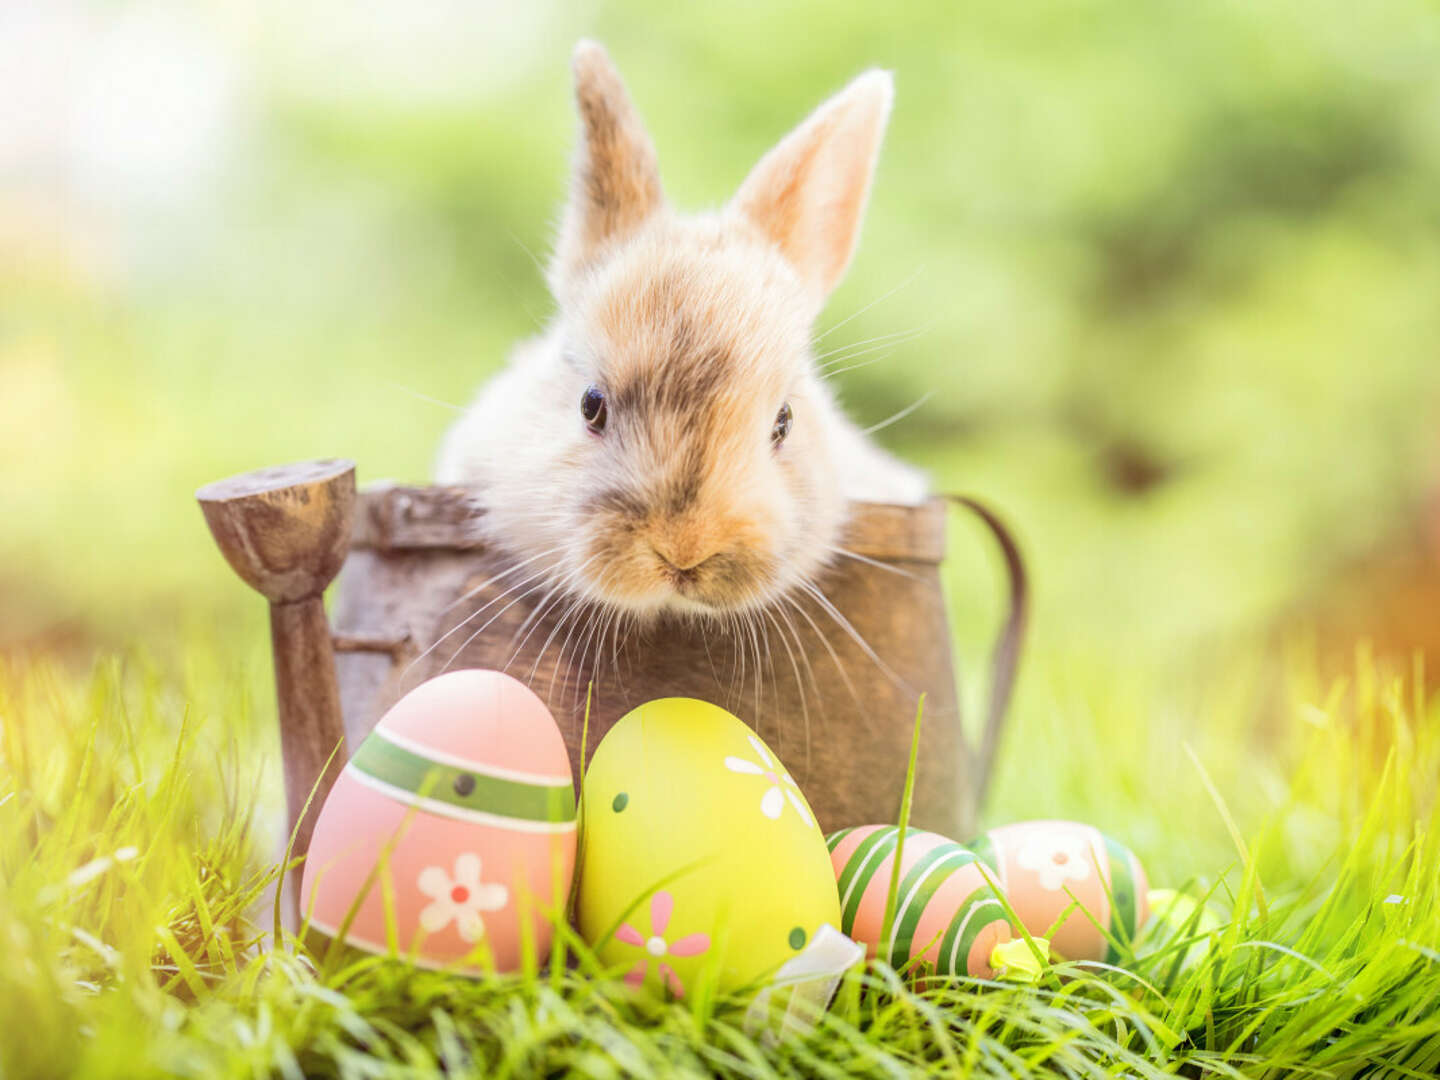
(459, 899)
(782, 787)
(1056, 858)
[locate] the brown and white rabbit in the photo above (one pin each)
(668, 443)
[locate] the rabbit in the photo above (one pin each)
(668, 444)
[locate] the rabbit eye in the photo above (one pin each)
(592, 408)
(783, 419)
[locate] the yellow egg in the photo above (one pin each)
(699, 852)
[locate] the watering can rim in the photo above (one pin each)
(397, 517)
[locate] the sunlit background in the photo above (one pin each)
(1165, 278)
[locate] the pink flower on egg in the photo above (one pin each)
(782, 787)
(662, 904)
(459, 899)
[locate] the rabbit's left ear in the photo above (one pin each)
(808, 194)
(616, 181)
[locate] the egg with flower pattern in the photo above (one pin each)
(948, 914)
(1046, 866)
(701, 857)
(451, 831)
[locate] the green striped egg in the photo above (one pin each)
(947, 914)
(1046, 866)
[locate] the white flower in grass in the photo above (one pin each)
(782, 787)
(459, 899)
(1055, 858)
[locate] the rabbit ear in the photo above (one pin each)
(616, 181)
(808, 194)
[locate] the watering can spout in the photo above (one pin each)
(286, 531)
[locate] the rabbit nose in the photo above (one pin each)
(681, 559)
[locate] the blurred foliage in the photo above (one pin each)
(1168, 271)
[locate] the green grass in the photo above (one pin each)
(136, 806)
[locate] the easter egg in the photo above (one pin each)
(945, 911)
(1041, 864)
(453, 825)
(700, 852)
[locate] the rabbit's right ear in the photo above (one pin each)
(616, 181)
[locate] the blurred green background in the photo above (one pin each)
(1169, 272)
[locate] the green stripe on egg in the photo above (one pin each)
(984, 849)
(466, 789)
(833, 840)
(988, 854)
(852, 864)
(916, 890)
(855, 878)
(1124, 903)
(981, 908)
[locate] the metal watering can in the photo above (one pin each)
(835, 693)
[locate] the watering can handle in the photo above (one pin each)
(1005, 658)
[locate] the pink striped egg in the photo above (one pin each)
(1042, 865)
(458, 811)
(945, 911)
